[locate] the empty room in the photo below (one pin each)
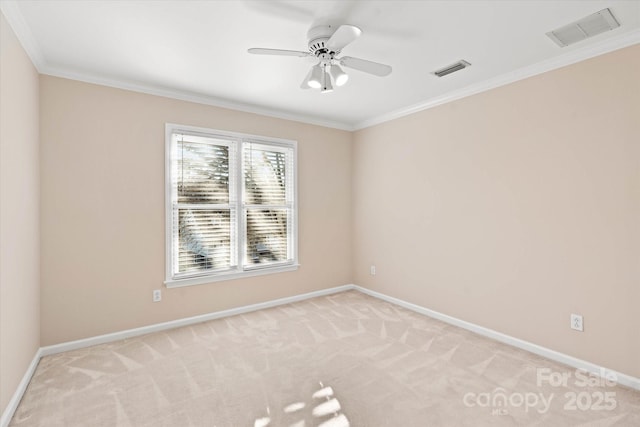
(319, 213)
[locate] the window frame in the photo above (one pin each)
(236, 141)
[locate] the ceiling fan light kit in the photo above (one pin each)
(316, 76)
(326, 43)
(319, 78)
(338, 74)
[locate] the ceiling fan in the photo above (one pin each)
(325, 43)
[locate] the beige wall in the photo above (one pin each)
(103, 210)
(510, 209)
(513, 208)
(19, 213)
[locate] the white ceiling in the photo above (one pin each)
(197, 50)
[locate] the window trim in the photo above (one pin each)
(242, 271)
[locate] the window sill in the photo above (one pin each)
(200, 280)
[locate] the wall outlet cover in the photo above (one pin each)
(576, 322)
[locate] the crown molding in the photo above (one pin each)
(197, 98)
(12, 12)
(22, 31)
(627, 39)
(17, 22)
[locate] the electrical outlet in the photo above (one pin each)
(372, 270)
(576, 322)
(157, 295)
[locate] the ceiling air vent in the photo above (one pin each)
(460, 65)
(588, 26)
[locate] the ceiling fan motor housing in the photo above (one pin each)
(318, 37)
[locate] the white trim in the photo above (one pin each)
(8, 412)
(115, 336)
(571, 57)
(236, 142)
(198, 98)
(11, 11)
(231, 275)
(168, 229)
(622, 379)
(19, 26)
(209, 133)
(562, 60)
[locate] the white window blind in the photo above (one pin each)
(268, 204)
(231, 208)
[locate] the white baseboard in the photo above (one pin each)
(8, 412)
(620, 378)
(115, 336)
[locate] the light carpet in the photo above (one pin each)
(368, 362)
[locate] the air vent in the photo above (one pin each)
(460, 65)
(588, 26)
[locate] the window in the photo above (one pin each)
(230, 205)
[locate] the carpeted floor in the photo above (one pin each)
(368, 362)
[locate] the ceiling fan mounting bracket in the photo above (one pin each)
(320, 32)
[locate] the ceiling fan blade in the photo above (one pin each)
(280, 52)
(370, 67)
(344, 35)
